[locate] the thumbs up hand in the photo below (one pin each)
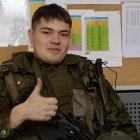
(35, 108)
(40, 108)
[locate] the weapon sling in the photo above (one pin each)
(101, 81)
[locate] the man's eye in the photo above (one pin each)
(65, 34)
(46, 32)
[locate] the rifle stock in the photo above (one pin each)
(73, 129)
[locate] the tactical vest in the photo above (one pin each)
(67, 81)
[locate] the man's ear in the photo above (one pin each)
(30, 35)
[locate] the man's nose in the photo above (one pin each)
(55, 38)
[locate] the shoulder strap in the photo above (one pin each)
(38, 74)
(10, 81)
(11, 87)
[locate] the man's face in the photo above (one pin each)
(50, 40)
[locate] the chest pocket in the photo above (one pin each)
(62, 84)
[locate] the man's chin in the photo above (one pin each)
(55, 61)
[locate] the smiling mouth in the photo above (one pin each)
(54, 50)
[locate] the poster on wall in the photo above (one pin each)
(77, 38)
(102, 34)
(131, 29)
(97, 34)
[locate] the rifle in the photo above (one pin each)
(72, 128)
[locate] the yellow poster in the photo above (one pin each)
(35, 4)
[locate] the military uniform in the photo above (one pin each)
(63, 81)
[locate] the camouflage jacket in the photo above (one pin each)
(64, 79)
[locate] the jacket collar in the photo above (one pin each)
(23, 60)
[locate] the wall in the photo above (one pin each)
(128, 74)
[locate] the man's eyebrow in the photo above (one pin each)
(51, 29)
(46, 28)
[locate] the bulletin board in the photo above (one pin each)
(127, 75)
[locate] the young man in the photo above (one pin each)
(35, 85)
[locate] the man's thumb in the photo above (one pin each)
(38, 86)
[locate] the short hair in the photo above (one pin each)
(50, 12)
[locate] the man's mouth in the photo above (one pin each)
(54, 50)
